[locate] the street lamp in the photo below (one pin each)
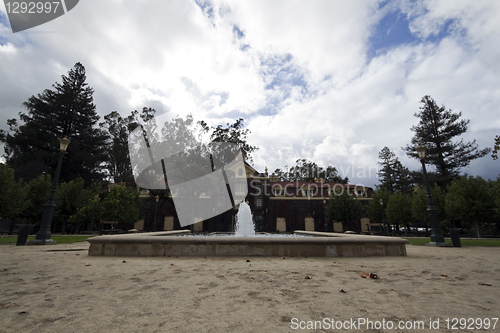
(44, 234)
(92, 226)
(386, 231)
(324, 209)
(156, 212)
(437, 238)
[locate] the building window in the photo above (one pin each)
(220, 202)
(240, 188)
(258, 202)
(240, 172)
(221, 188)
(278, 191)
(361, 193)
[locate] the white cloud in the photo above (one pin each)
(330, 103)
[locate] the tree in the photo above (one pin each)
(393, 176)
(419, 204)
(12, 193)
(118, 204)
(437, 131)
(118, 129)
(233, 133)
(496, 147)
(70, 197)
(343, 208)
(399, 210)
(37, 192)
(472, 201)
(374, 209)
(68, 110)
(386, 172)
(308, 171)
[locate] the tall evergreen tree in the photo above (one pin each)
(67, 110)
(118, 129)
(386, 172)
(437, 131)
(496, 147)
(393, 176)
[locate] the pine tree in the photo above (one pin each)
(437, 131)
(393, 176)
(66, 110)
(386, 173)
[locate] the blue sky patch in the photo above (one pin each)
(393, 30)
(390, 32)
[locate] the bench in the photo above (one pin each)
(111, 230)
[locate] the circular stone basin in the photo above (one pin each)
(321, 245)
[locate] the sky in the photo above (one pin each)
(330, 81)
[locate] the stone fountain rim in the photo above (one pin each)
(169, 237)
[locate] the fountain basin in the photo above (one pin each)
(321, 245)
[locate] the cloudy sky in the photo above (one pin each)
(330, 81)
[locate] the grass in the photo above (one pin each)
(58, 239)
(464, 242)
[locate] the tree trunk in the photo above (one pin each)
(476, 229)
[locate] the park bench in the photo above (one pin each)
(111, 230)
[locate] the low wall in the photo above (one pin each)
(165, 244)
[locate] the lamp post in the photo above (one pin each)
(386, 231)
(324, 210)
(92, 226)
(44, 234)
(156, 212)
(437, 238)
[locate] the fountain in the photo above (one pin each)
(245, 226)
(246, 243)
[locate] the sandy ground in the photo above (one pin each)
(59, 288)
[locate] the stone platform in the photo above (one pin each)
(318, 245)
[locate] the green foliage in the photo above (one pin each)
(496, 148)
(119, 204)
(12, 193)
(70, 197)
(32, 147)
(374, 209)
(307, 171)
(436, 131)
(393, 176)
(472, 201)
(419, 204)
(233, 133)
(37, 193)
(343, 208)
(118, 163)
(398, 210)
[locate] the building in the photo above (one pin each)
(277, 206)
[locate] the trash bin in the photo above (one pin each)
(455, 236)
(22, 235)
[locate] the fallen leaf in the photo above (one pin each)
(307, 277)
(342, 291)
(369, 275)
(123, 261)
(444, 275)
(282, 257)
(78, 254)
(484, 284)
(172, 264)
(248, 260)
(87, 264)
